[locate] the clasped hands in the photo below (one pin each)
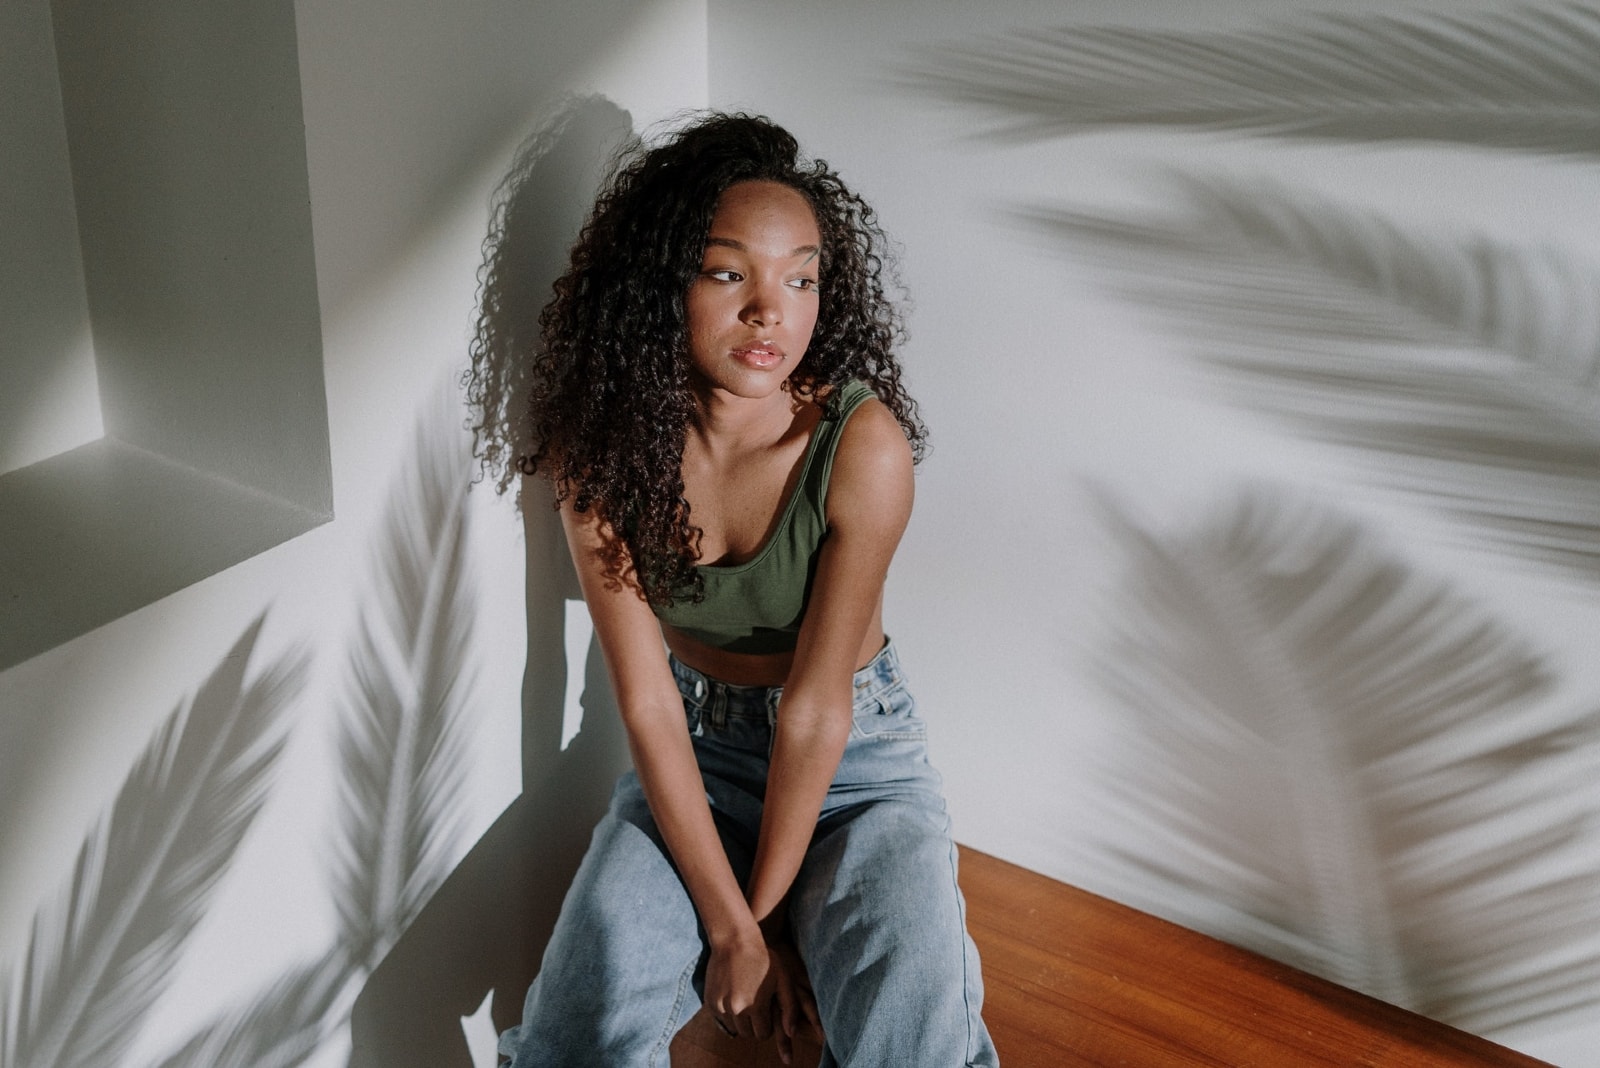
(757, 987)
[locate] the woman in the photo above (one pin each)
(717, 404)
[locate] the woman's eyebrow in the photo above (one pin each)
(728, 242)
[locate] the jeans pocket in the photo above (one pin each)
(889, 716)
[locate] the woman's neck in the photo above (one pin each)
(729, 425)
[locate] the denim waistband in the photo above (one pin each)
(703, 692)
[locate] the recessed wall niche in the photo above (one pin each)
(176, 126)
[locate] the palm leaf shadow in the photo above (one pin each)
(143, 876)
(281, 1027)
(401, 764)
(1469, 369)
(1525, 79)
(402, 768)
(1356, 761)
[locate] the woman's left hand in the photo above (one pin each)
(796, 1002)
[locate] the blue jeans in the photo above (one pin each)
(874, 912)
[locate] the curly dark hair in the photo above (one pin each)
(607, 385)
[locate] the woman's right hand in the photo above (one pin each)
(758, 990)
(741, 980)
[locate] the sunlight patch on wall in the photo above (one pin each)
(578, 631)
(482, 1040)
(49, 397)
(61, 413)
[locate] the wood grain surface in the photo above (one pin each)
(1077, 981)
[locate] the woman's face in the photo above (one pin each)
(752, 307)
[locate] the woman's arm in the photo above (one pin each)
(869, 503)
(663, 756)
(868, 506)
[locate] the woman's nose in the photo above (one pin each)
(764, 307)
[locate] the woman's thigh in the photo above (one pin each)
(617, 979)
(876, 909)
(880, 923)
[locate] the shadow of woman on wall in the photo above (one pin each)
(486, 926)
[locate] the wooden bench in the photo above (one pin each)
(1076, 981)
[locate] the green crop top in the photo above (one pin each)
(757, 606)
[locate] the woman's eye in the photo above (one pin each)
(806, 284)
(723, 275)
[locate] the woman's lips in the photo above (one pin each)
(761, 356)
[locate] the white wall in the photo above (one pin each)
(412, 114)
(49, 401)
(1015, 598)
(1082, 732)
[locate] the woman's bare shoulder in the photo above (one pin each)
(872, 465)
